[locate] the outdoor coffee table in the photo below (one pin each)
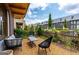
(31, 41)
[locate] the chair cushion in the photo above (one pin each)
(2, 45)
(11, 37)
(44, 45)
(32, 38)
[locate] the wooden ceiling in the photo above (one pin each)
(18, 9)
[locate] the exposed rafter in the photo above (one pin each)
(16, 6)
(18, 9)
(17, 13)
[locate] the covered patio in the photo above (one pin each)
(11, 14)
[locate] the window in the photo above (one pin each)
(72, 22)
(72, 27)
(0, 25)
(19, 25)
(60, 19)
(72, 17)
(77, 22)
(77, 26)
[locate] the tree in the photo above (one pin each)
(36, 27)
(56, 37)
(25, 28)
(65, 23)
(49, 21)
(39, 31)
(31, 32)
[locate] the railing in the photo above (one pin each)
(46, 33)
(66, 39)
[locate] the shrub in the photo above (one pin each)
(39, 31)
(31, 30)
(68, 43)
(75, 44)
(25, 33)
(55, 30)
(56, 37)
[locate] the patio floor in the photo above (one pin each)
(55, 50)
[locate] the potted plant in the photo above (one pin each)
(18, 32)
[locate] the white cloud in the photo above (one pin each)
(64, 3)
(29, 12)
(37, 5)
(71, 9)
(53, 1)
(75, 11)
(34, 16)
(33, 21)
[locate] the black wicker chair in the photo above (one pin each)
(45, 44)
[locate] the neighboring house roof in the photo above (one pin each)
(68, 18)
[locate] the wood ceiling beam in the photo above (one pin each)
(18, 7)
(17, 13)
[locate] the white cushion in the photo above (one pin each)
(11, 37)
(32, 38)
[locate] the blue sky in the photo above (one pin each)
(39, 12)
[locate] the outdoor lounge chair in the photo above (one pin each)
(45, 44)
(31, 39)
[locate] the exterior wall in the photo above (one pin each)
(1, 23)
(7, 17)
(19, 21)
(5, 23)
(11, 23)
(58, 25)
